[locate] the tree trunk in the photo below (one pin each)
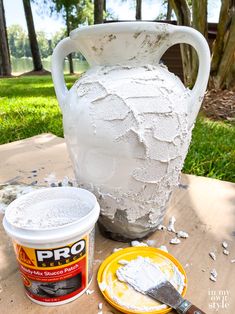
(70, 56)
(199, 9)
(182, 11)
(169, 11)
(183, 15)
(230, 78)
(104, 6)
(219, 41)
(32, 36)
(227, 57)
(199, 22)
(223, 57)
(98, 11)
(5, 64)
(138, 9)
(5, 26)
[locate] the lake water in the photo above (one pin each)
(21, 65)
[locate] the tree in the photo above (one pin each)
(45, 44)
(183, 14)
(74, 12)
(223, 56)
(199, 12)
(169, 11)
(85, 12)
(18, 42)
(223, 48)
(138, 9)
(57, 37)
(98, 11)
(68, 8)
(166, 11)
(5, 63)
(32, 36)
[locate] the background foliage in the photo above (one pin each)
(19, 42)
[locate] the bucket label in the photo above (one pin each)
(60, 256)
(54, 274)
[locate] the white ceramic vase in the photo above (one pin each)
(128, 120)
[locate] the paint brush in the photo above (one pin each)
(147, 278)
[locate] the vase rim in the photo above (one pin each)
(120, 27)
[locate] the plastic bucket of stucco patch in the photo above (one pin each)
(53, 236)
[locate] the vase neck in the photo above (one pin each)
(126, 43)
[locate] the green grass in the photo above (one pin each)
(28, 107)
(212, 150)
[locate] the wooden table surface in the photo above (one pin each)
(203, 207)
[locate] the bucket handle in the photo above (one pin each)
(64, 48)
(188, 35)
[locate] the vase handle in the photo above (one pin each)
(64, 48)
(188, 35)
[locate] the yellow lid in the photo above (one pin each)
(123, 297)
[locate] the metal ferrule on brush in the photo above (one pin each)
(183, 307)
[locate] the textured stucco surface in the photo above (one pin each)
(127, 133)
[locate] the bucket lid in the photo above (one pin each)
(57, 233)
(124, 298)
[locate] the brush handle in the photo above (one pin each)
(194, 310)
(188, 308)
